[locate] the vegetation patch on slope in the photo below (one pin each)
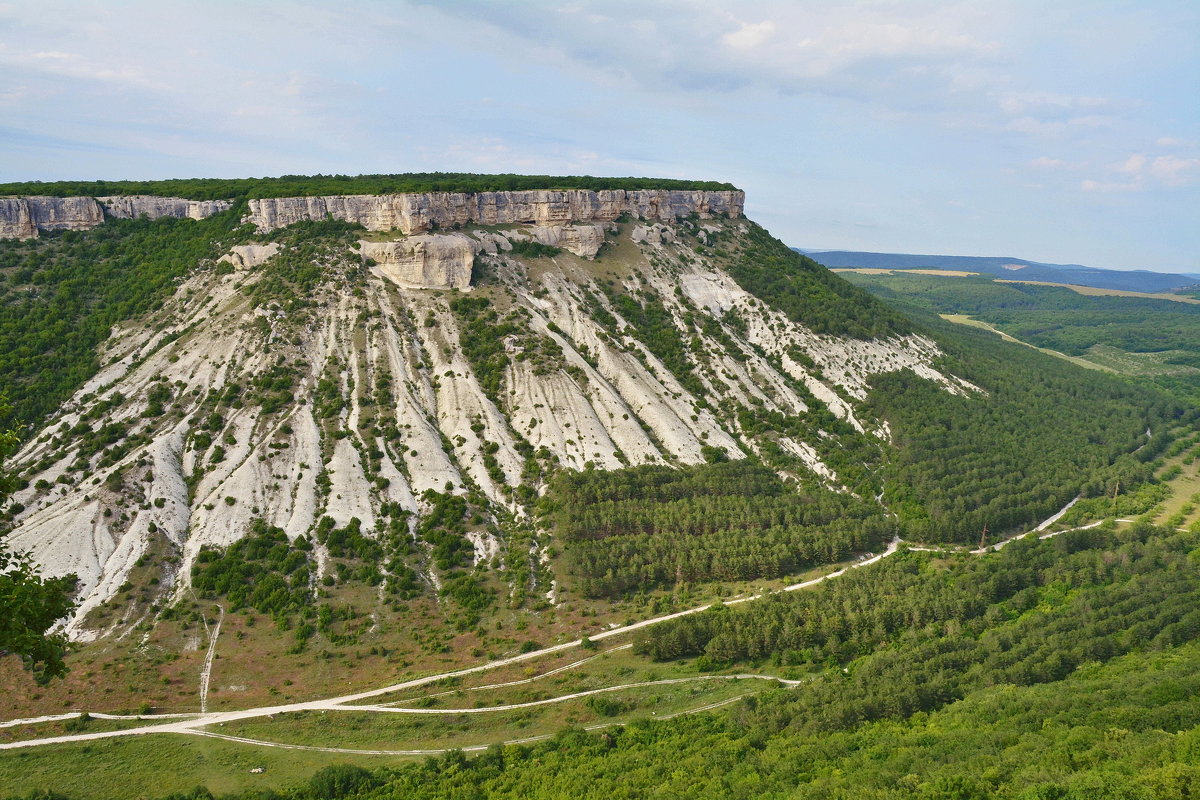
(656, 526)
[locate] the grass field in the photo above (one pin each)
(963, 319)
(402, 731)
(944, 273)
(154, 766)
(1093, 291)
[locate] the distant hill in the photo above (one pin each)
(1016, 268)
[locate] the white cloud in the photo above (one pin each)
(749, 36)
(1146, 173)
(1174, 171)
(1099, 186)
(1133, 165)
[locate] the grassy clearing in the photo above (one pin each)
(963, 319)
(119, 769)
(942, 273)
(611, 668)
(1093, 291)
(1182, 507)
(1148, 364)
(384, 731)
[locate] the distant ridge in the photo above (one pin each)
(1006, 267)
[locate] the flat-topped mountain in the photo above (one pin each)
(397, 419)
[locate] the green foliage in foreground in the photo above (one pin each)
(312, 185)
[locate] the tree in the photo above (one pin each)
(29, 603)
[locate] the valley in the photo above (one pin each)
(389, 480)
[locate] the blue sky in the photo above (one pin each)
(1064, 132)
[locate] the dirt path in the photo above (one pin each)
(346, 702)
(391, 709)
(521, 682)
(206, 672)
(475, 748)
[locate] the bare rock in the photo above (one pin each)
(653, 234)
(583, 240)
(135, 206)
(24, 217)
(427, 261)
(421, 212)
(245, 256)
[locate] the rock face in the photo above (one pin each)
(418, 213)
(245, 256)
(576, 381)
(583, 240)
(134, 206)
(429, 261)
(25, 217)
(653, 234)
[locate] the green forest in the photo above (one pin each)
(313, 185)
(656, 526)
(1046, 432)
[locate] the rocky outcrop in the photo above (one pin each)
(584, 240)
(428, 261)
(653, 234)
(245, 256)
(25, 217)
(418, 213)
(16, 222)
(134, 206)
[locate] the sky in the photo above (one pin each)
(1064, 132)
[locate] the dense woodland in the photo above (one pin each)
(656, 526)
(808, 293)
(1045, 432)
(314, 185)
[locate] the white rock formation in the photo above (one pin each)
(134, 206)
(582, 239)
(24, 217)
(653, 234)
(413, 413)
(417, 213)
(245, 256)
(428, 261)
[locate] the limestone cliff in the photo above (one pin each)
(25, 217)
(418, 213)
(134, 206)
(425, 262)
